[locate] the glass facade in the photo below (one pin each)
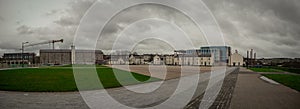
(220, 53)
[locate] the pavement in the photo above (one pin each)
(165, 72)
(41, 100)
(251, 92)
(224, 96)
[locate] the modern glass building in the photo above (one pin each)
(220, 53)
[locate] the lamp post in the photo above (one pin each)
(23, 43)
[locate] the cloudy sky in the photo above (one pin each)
(270, 27)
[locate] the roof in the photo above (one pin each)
(68, 50)
(18, 54)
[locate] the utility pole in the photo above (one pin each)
(23, 43)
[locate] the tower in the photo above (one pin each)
(72, 54)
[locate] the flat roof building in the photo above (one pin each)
(66, 56)
(16, 59)
(220, 53)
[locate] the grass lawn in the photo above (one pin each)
(292, 81)
(52, 79)
(265, 69)
(292, 70)
(79, 65)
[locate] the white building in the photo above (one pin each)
(199, 60)
(207, 60)
(136, 59)
(119, 59)
(236, 59)
(157, 60)
(169, 59)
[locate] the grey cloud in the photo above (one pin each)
(272, 27)
(74, 13)
(130, 15)
(65, 29)
(7, 45)
(23, 30)
(52, 12)
(67, 21)
(2, 19)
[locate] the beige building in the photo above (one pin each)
(206, 60)
(68, 56)
(176, 60)
(169, 59)
(157, 60)
(196, 60)
(148, 58)
(236, 59)
(136, 59)
(119, 59)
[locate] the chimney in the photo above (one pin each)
(251, 54)
(72, 54)
(247, 58)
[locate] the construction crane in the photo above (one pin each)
(46, 42)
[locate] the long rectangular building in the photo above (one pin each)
(18, 58)
(64, 56)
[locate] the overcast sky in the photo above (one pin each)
(270, 27)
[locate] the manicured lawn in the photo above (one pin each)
(265, 69)
(292, 81)
(276, 69)
(84, 66)
(292, 70)
(53, 79)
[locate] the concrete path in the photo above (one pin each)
(251, 92)
(41, 100)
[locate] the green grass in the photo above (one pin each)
(52, 79)
(291, 70)
(292, 81)
(79, 65)
(276, 69)
(265, 69)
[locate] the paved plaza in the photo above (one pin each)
(251, 92)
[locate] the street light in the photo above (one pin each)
(23, 43)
